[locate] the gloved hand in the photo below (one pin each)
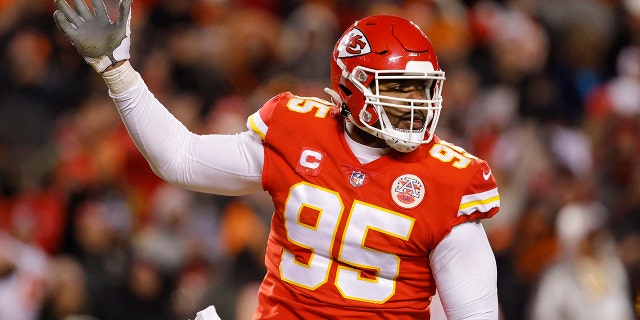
(100, 41)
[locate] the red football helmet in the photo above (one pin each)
(386, 47)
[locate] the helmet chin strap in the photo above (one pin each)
(337, 100)
(398, 140)
(399, 145)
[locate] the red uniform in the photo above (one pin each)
(349, 240)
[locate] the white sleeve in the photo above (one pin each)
(464, 268)
(219, 164)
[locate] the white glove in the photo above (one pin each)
(208, 314)
(100, 41)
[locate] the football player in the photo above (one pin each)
(373, 212)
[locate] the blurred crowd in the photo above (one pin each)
(548, 91)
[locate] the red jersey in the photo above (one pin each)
(351, 240)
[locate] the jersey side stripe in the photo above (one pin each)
(483, 202)
(255, 123)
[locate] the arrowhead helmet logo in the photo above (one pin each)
(354, 44)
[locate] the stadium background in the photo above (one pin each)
(548, 91)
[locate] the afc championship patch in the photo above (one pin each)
(408, 191)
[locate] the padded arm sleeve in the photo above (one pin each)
(219, 164)
(464, 268)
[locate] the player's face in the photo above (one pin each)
(406, 89)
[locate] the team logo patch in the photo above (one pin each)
(408, 191)
(354, 44)
(357, 178)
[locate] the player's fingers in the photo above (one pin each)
(101, 10)
(63, 23)
(69, 14)
(83, 9)
(125, 13)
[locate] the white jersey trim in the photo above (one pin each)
(483, 202)
(257, 125)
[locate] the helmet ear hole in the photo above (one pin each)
(344, 89)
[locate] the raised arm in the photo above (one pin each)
(220, 164)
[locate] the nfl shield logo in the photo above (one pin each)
(357, 178)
